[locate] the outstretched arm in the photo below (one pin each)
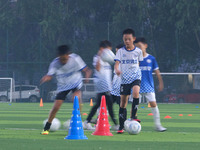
(161, 84)
(45, 78)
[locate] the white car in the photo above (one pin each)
(30, 92)
(88, 92)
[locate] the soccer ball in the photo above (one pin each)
(66, 124)
(55, 125)
(132, 127)
(108, 56)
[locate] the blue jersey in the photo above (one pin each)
(147, 66)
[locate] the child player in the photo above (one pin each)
(103, 77)
(127, 66)
(67, 69)
(116, 83)
(147, 66)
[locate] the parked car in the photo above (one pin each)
(22, 92)
(190, 96)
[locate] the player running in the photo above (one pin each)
(147, 66)
(103, 76)
(67, 68)
(116, 83)
(127, 66)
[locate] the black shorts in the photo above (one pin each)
(62, 95)
(125, 89)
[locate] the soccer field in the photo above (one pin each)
(21, 124)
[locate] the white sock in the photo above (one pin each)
(156, 116)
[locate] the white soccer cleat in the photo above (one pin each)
(160, 129)
(88, 126)
(115, 127)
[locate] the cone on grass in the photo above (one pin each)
(76, 127)
(102, 127)
(41, 103)
(91, 102)
(180, 114)
(150, 114)
(168, 117)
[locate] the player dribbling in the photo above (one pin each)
(127, 66)
(67, 68)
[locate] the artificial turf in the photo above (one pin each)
(21, 124)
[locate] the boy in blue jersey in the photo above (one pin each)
(127, 67)
(103, 76)
(147, 66)
(67, 69)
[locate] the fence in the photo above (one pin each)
(178, 88)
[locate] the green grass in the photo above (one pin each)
(21, 124)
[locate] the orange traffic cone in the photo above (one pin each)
(102, 127)
(91, 102)
(41, 103)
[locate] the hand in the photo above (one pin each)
(100, 52)
(160, 87)
(46, 78)
(118, 72)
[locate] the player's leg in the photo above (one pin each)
(156, 114)
(109, 103)
(122, 112)
(92, 112)
(116, 99)
(58, 102)
(135, 104)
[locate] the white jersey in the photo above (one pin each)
(68, 75)
(116, 83)
(129, 64)
(103, 77)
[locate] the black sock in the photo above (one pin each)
(47, 126)
(134, 108)
(122, 117)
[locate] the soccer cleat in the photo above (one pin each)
(120, 131)
(160, 129)
(115, 127)
(94, 121)
(138, 120)
(46, 132)
(88, 126)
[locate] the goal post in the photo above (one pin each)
(6, 89)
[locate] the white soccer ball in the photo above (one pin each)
(66, 124)
(55, 125)
(108, 56)
(132, 127)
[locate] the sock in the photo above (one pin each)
(47, 126)
(122, 117)
(156, 116)
(134, 108)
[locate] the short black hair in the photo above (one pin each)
(63, 49)
(119, 46)
(105, 44)
(129, 31)
(141, 39)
